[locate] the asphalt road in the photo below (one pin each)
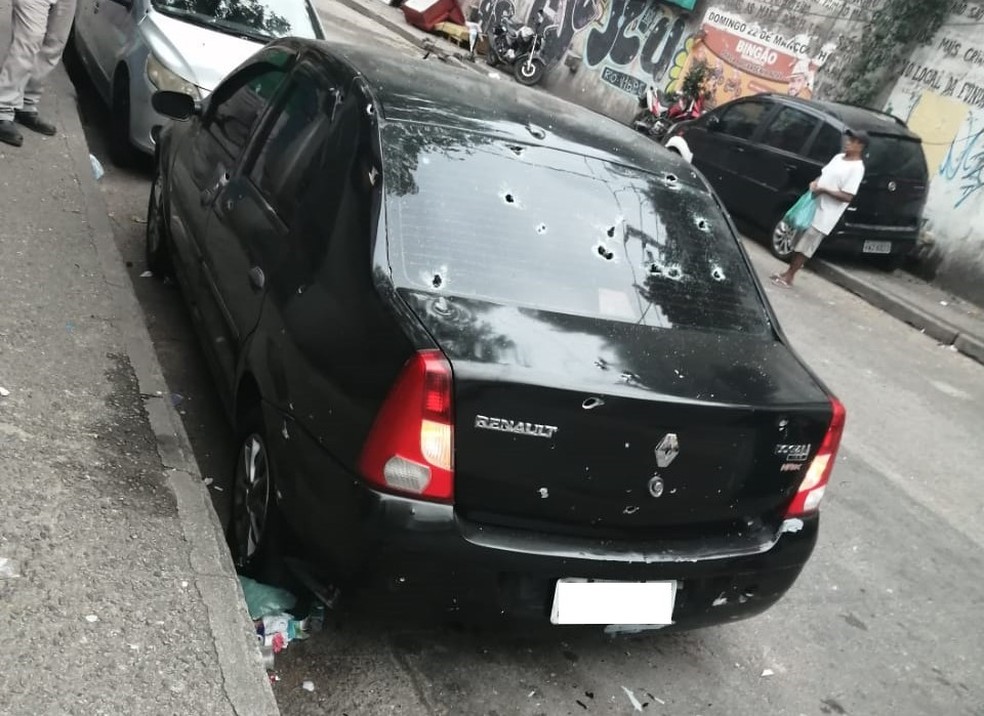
(884, 620)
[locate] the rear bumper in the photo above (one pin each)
(434, 560)
(851, 240)
(399, 556)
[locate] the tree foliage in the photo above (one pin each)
(895, 30)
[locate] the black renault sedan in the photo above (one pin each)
(485, 346)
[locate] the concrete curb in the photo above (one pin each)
(242, 674)
(401, 30)
(896, 306)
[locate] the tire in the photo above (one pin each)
(528, 71)
(157, 244)
(121, 149)
(781, 239)
(255, 526)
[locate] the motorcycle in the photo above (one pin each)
(660, 111)
(515, 43)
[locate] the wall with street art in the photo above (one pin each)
(604, 53)
(941, 95)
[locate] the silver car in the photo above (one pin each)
(132, 48)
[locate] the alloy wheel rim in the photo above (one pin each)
(782, 239)
(253, 497)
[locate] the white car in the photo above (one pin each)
(132, 48)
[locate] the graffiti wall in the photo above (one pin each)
(941, 95)
(604, 53)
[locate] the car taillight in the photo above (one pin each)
(410, 447)
(814, 485)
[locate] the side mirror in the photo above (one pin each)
(175, 105)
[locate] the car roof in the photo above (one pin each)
(434, 92)
(870, 120)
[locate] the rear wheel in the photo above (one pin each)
(782, 239)
(121, 149)
(255, 524)
(529, 70)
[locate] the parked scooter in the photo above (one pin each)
(660, 111)
(515, 43)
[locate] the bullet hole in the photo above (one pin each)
(717, 273)
(611, 232)
(541, 229)
(437, 281)
(537, 132)
(516, 149)
(601, 363)
(592, 403)
(370, 110)
(703, 225)
(672, 178)
(544, 493)
(674, 273)
(606, 253)
(630, 510)
(627, 378)
(442, 307)
(509, 199)
(655, 269)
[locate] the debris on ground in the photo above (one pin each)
(91, 618)
(308, 686)
(768, 672)
(138, 220)
(147, 274)
(97, 168)
(263, 600)
(8, 568)
(636, 704)
(4, 393)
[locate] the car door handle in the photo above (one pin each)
(209, 195)
(257, 278)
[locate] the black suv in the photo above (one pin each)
(761, 153)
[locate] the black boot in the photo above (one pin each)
(9, 134)
(32, 121)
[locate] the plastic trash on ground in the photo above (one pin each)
(97, 168)
(263, 600)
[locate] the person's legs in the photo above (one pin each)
(59, 26)
(804, 248)
(28, 24)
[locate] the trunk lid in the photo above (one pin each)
(563, 422)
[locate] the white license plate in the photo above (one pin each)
(577, 601)
(877, 247)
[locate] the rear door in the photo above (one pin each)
(247, 250)
(734, 155)
(205, 166)
(780, 171)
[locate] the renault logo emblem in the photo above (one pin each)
(656, 486)
(667, 450)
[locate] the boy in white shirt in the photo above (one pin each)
(834, 190)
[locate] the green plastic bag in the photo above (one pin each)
(800, 217)
(263, 600)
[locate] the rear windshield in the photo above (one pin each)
(896, 157)
(473, 216)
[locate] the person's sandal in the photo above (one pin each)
(780, 281)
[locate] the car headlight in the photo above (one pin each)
(164, 79)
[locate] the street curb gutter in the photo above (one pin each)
(896, 306)
(242, 675)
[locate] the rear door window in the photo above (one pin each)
(828, 144)
(789, 130)
(896, 157)
(742, 119)
(535, 227)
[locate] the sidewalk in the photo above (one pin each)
(117, 595)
